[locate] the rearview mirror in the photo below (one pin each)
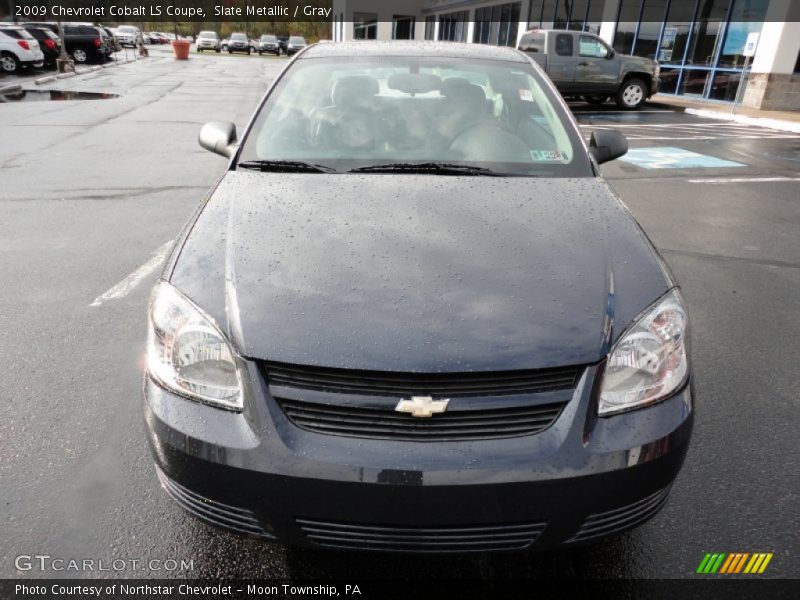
(219, 137)
(606, 145)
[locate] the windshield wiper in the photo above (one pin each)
(285, 166)
(435, 168)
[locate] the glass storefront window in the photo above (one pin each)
(365, 26)
(453, 26)
(669, 81)
(650, 28)
(746, 17)
(725, 85)
(577, 15)
(707, 32)
(627, 24)
(694, 82)
(430, 27)
(403, 27)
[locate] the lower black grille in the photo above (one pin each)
(452, 425)
(477, 538)
(620, 519)
(240, 520)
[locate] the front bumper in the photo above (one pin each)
(257, 473)
(655, 82)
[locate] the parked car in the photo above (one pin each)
(86, 43)
(49, 43)
(269, 43)
(113, 41)
(295, 44)
(52, 26)
(129, 36)
(421, 325)
(283, 40)
(208, 40)
(582, 64)
(238, 43)
(18, 49)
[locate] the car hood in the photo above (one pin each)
(418, 272)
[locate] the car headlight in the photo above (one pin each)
(649, 361)
(188, 354)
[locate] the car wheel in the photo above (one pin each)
(632, 94)
(596, 100)
(80, 56)
(9, 63)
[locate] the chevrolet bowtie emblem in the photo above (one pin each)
(422, 406)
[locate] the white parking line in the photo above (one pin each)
(124, 287)
(744, 180)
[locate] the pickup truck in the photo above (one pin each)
(582, 64)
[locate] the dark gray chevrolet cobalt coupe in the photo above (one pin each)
(412, 316)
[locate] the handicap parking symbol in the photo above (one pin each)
(668, 157)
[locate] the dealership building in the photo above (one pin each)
(700, 44)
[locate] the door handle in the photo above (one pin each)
(583, 64)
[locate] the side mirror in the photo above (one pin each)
(219, 137)
(606, 145)
(610, 54)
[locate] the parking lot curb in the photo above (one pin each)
(65, 75)
(746, 120)
(10, 89)
(46, 79)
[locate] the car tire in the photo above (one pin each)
(80, 56)
(9, 63)
(632, 94)
(596, 100)
(218, 50)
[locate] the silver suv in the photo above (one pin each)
(208, 40)
(18, 49)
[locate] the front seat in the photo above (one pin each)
(349, 121)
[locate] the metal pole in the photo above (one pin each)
(742, 83)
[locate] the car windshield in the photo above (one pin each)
(125, 29)
(296, 40)
(207, 34)
(239, 36)
(381, 110)
(268, 38)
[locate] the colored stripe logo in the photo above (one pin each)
(734, 563)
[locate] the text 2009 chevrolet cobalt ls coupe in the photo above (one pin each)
(412, 316)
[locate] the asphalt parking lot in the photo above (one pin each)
(93, 191)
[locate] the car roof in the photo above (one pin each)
(413, 48)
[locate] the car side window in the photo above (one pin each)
(564, 44)
(532, 43)
(591, 47)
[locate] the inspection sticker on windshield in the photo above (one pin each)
(525, 95)
(547, 156)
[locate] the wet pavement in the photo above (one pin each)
(91, 191)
